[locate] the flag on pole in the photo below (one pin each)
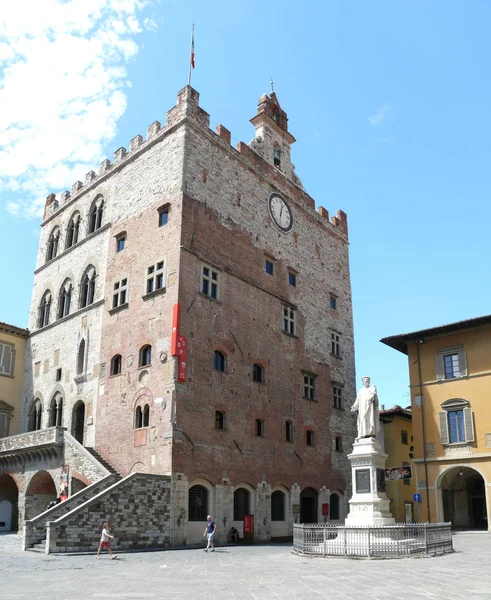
(192, 49)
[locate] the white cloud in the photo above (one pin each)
(62, 90)
(150, 24)
(387, 112)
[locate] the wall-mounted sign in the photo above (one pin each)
(395, 473)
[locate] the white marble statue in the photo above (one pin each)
(366, 404)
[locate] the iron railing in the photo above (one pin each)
(390, 541)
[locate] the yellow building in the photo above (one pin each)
(397, 431)
(12, 348)
(450, 383)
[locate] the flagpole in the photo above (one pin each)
(191, 50)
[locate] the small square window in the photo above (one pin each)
(120, 242)
(269, 267)
(332, 302)
(292, 279)
(163, 216)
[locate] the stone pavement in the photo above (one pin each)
(254, 573)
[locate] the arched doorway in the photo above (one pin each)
(9, 499)
(463, 498)
(308, 505)
(78, 421)
(40, 492)
(334, 507)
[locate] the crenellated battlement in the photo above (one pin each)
(187, 106)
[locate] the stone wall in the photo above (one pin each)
(35, 529)
(137, 508)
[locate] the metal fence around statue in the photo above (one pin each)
(390, 541)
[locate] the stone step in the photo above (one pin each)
(103, 461)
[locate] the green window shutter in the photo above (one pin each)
(444, 439)
(439, 367)
(462, 363)
(468, 425)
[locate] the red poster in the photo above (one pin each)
(325, 510)
(248, 524)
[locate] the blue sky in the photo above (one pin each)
(389, 102)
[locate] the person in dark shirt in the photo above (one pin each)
(210, 532)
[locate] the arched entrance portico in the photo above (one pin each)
(9, 499)
(40, 492)
(309, 499)
(462, 498)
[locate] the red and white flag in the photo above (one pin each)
(192, 49)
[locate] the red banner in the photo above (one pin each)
(179, 343)
(248, 523)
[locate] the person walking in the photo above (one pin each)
(210, 532)
(105, 536)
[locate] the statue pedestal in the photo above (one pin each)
(369, 505)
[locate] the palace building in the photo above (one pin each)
(191, 328)
(449, 379)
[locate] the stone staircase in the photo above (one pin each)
(35, 537)
(104, 462)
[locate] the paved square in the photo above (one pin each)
(254, 572)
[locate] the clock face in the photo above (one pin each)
(280, 212)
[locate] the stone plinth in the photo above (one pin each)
(369, 505)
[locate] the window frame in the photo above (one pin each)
(121, 238)
(292, 279)
(333, 302)
(338, 443)
(120, 293)
(210, 282)
(289, 431)
(337, 395)
(309, 437)
(404, 436)
(259, 428)
(269, 267)
(219, 361)
(335, 344)
(288, 320)
(309, 386)
(456, 406)
(145, 349)
(257, 373)
(220, 420)
(278, 504)
(116, 360)
(163, 210)
(155, 276)
(198, 513)
(442, 354)
(4, 347)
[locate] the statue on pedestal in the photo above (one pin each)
(366, 404)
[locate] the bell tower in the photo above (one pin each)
(273, 140)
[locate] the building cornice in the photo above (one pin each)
(14, 330)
